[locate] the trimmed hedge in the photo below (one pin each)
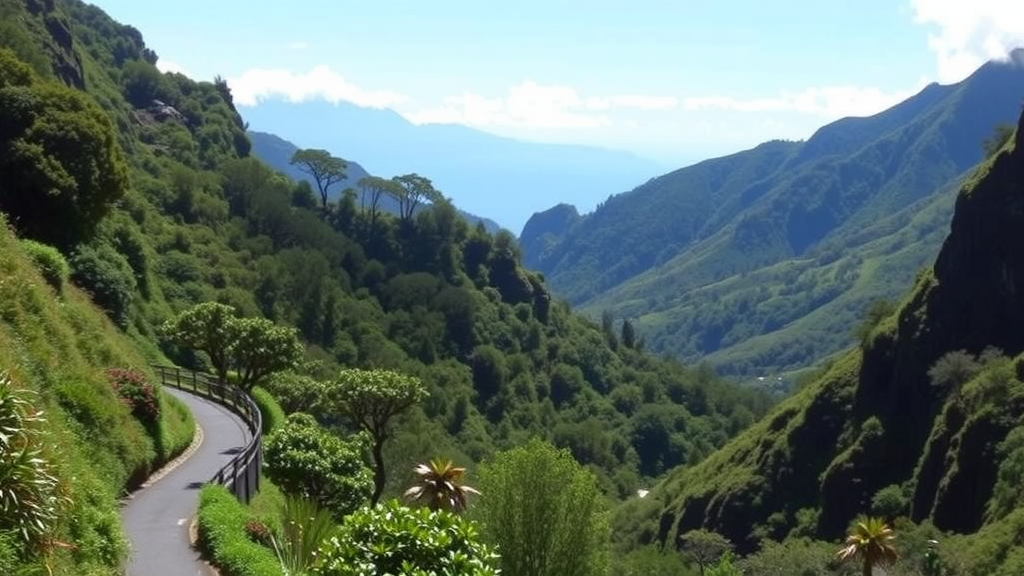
(273, 414)
(223, 538)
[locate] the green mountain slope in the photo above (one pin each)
(889, 417)
(728, 260)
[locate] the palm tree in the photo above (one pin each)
(439, 484)
(870, 541)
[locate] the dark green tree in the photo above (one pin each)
(325, 169)
(704, 547)
(412, 190)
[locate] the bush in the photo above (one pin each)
(106, 275)
(272, 413)
(51, 263)
(223, 536)
(137, 394)
(393, 539)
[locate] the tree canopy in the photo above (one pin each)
(325, 169)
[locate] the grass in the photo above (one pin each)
(57, 344)
(223, 536)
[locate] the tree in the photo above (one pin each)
(209, 328)
(325, 169)
(61, 168)
(254, 347)
(304, 459)
(704, 546)
(628, 334)
(544, 511)
(952, 370)
(261, 348)
(870, 541)
(1001, 134)
(370, 399)
(412, 190)
(439, 483)
(393, 539)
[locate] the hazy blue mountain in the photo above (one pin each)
(765, 260)
(277, 152)
(503, 178)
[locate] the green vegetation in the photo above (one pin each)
(544, 512)
(271, 412)
(870, 542)
(761, 262)
(305, 460)
(406, 542)
(222, 535)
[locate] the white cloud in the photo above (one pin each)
(826, 101)
(970, 32)
(169, 66)
(321, 82)
(534, 106)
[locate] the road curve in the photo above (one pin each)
(156, 519)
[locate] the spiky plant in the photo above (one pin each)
(439, 483)
(30, 499)
(870, 541)
(304, 527)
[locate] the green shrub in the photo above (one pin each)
(51, 263)
(272, 413)
(222, 535)
(106, 275)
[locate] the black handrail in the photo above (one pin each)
(241, 475)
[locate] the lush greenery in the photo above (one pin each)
(222, 534)
(760, 262)
(545, 512)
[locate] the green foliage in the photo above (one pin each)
(254, 347)
(1001, 134)
(294, 392)
(877, 311)
(1008, 492)
(142, 82)
(953, 369)
(890, 502)
(304, 459)
(52, 264)
(305, 527)
(272, 413)
(544, 512)
(107, 277)
(370, 399)
(222, 536)
(325, 169)
(61, 168)
(706, 548)
(30, 499)
(393, 539)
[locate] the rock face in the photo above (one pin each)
(544, 228)
(875, 419)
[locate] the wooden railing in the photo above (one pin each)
(242, 474)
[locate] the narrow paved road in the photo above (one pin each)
(157, 518)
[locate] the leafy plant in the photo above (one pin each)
(305, 526)
(30, 498)
(51, 263)
(870, 542)
(439, 483)
(304, 459)
(392, 539)
(136, 392)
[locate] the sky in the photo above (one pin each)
(672, 80)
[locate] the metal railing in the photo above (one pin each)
(241, 475)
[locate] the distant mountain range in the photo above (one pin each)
(764, 261)
(277, 152)
(501, 178)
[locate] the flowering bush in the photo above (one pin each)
(136, 392)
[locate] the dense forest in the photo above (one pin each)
(137, 188)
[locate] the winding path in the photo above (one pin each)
(156, 519)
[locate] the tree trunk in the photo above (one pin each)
(867, 567)
(378, 470)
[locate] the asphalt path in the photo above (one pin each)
(157, 518)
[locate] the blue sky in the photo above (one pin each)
(673, 80)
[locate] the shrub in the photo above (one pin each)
(393, 539)
(223, 536)
(106, 275)
(890, 502)
(50, 262)
(272, 413)
(136, 392)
